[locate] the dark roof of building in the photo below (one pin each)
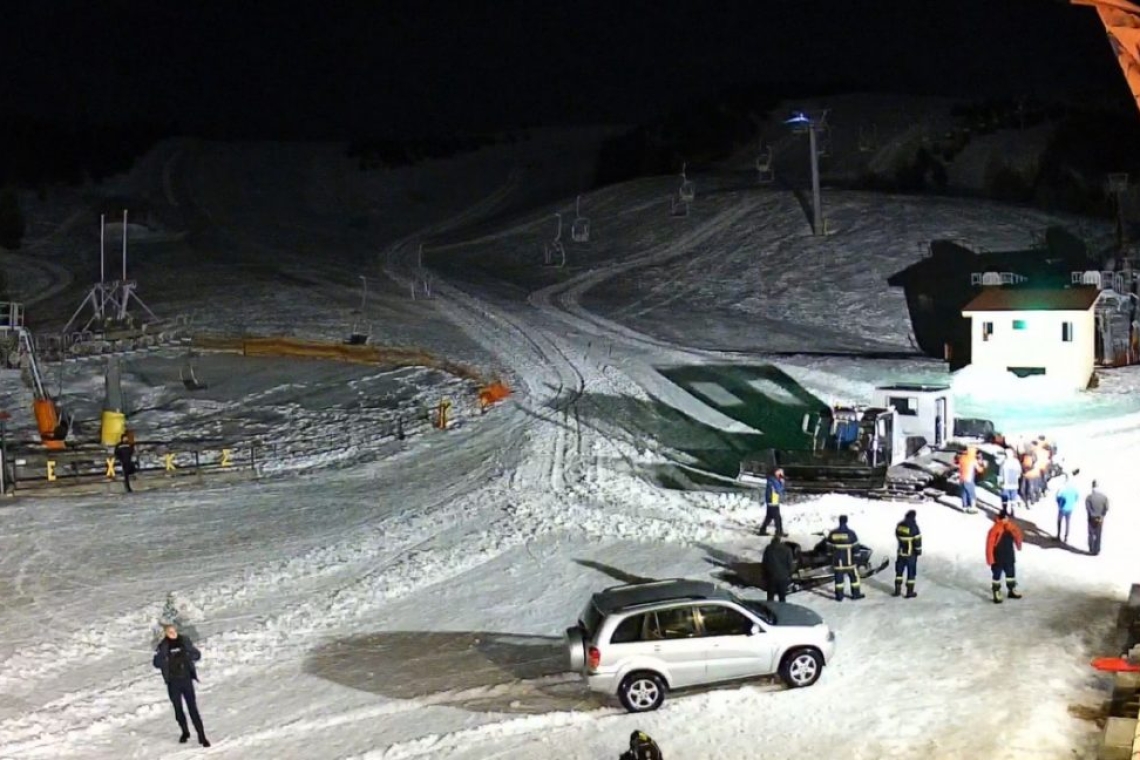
(1062, 254)
(620, 597)
(914, 387)
(1034, 299)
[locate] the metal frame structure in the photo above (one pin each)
(109, 300)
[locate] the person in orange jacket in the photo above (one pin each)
(970, 466)
(1002, 544)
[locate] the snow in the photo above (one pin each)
(381, 599)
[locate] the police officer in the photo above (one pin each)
(641, 747)
(773, 497)
(842, 541)
(910, 549)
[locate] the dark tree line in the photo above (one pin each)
(41, 152)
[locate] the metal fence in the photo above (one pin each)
(93, 466)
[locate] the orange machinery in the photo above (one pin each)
(1121, 20)
(53, 424)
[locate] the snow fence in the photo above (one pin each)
(311, 349)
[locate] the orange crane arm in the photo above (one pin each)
(1121, 20)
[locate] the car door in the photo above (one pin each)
(676, 641)
(738, 645)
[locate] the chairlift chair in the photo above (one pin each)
(554, 253)
(766, 175)
(686, 192)
(677, 206)
(189, 377)
(580, 229)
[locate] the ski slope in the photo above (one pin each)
(407, 599)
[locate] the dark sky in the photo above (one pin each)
(327, 69)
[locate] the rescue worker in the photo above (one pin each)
(1067, 499)
(842, 541)
(909, 538)
(1009, 480)
(779, 566)
(1002, 544)
(773, 497)
(641, 747)
(1096, 505)
(125, 455)
(969, 467)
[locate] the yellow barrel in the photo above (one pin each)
(114, 423)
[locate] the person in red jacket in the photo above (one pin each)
(1002, 544)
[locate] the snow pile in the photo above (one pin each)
(979, 383)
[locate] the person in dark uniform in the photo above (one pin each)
(773, 497)
(779, 566)
(909, 538)
(175, 657)
(641, 747)
(842, 541)
(125, 455)
(1096, 505)
(1002, 544)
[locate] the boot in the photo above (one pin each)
(857, 595)
(911, 593)
(185, 736)
(203, 740)
(898, 589)
(838, 597)
(1012, 594)
(997, 596)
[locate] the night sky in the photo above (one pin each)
(333, 69)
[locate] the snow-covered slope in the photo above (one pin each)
(410, 602)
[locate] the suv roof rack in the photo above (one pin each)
(633, 594)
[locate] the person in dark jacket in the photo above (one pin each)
(779, 566)
(641, 747)
(1096, 505)
(175, 657)
(125, 455)
(909, 539)
(773, 498)
(842, 541)
(1002, 544)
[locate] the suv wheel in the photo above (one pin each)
(801, 667)
(642, 692)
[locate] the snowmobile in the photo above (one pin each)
(813, 565)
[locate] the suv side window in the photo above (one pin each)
(677, 623)
(724, 621)
(629, 630)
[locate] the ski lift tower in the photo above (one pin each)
(109, 301)
(1116, 186)
(800, 123)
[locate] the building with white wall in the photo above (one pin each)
(1030, 331)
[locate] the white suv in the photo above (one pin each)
(641, 640)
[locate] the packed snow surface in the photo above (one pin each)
(381, 598)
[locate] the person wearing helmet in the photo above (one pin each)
(909, 538)
(641, 747)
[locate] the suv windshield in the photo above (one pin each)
(761, 609)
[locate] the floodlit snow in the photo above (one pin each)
(382, 599)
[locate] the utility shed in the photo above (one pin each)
(1029, 331)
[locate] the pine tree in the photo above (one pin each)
(11, 220)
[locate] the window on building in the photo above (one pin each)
(987, 330)
(1019, 324)
(1067, 332)
(907, 405)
